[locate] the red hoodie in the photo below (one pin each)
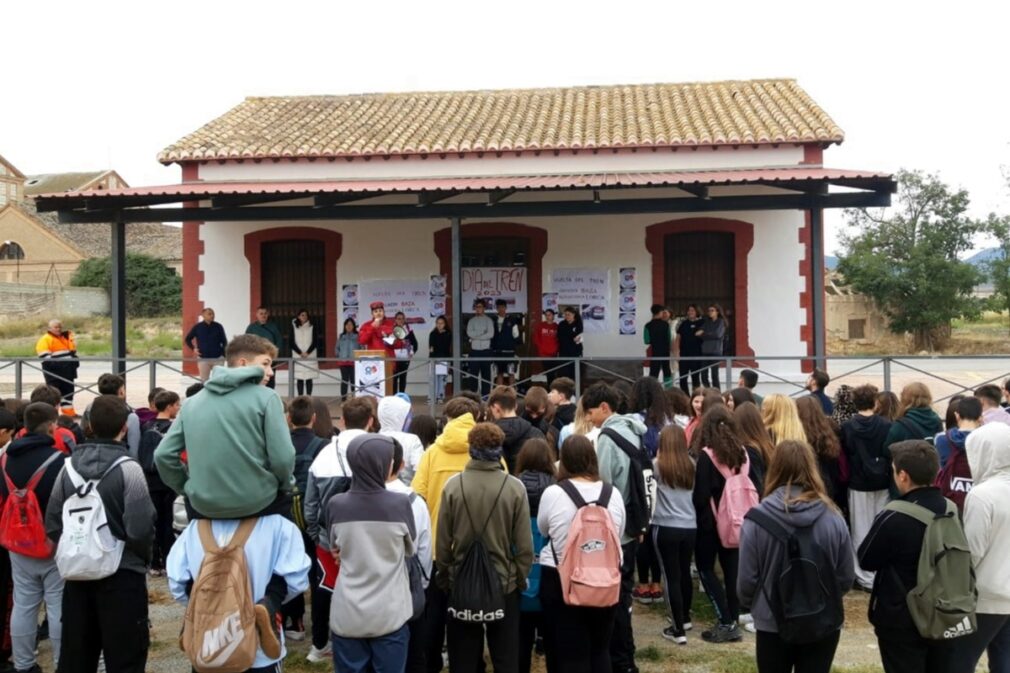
(546, 339)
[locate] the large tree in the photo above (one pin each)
(997, 267)
(152, 287)
(907, 258)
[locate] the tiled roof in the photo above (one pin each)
(11, 167)
(59, 182)
(596, 117)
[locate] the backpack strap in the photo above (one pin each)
(207, 541)
(7, 480)
(480, 531)
(569, 488)
(917, 512)
(317, 445)
(775, 528)
(36, 477)
(630, 449)
(241, 536)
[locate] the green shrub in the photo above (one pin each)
(152, 287)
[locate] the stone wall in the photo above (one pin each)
(23, 301)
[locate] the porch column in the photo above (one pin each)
(457, 304)
(118, 296)
(817, 287)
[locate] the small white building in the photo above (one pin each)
(711, 193)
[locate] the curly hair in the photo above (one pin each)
(821, 436)
(718, 431)
(486, 436)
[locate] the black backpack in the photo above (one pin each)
(150, 438)
(805, 599)
(638, 511)
(476, 595)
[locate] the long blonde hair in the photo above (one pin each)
(794, 464)
(581, 425)
(913, 396)
(782, 420)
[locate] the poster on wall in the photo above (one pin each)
(628, 301)
(549, 300)
(408, 295)
(493, 283)
(370, 374)
(589, 289)
(436, 292)
(349, 293)
(350, 313)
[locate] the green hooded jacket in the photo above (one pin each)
(268, 331)
(237, 444)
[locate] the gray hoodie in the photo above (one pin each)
(124, 494)
(374, 530)
(614, 462)
(761, 554)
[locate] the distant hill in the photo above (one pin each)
(983, 256)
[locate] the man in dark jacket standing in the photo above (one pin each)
(207, 340)
(501, 406)
(264, 327)
(657, 337)
(864, 440)
(34, 579)
(108, 616)
(892, 549)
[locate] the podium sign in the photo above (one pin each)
(370, 372)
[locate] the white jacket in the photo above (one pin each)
(987, 515)
(394, 418)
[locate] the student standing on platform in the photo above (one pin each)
(346, 345)
(570, 340)
(404, 349)
(545, 338)
(440, 350)
(480, 331)
(713, 341)
(503, 343)
(689, 345)
(656, 336)
(304, 344)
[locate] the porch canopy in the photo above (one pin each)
(794, 188)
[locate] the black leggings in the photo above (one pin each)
(709, 373)
(576, 639)
(400, 368)
(648, 562)
(724, 599)
(304, 386)
(164, 536)
(346, 380)
(674, 547)
(776, 656)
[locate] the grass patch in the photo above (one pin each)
(858, 668)
(145, 337)
(649, 653)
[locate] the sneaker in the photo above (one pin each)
(657, 596)
(672, 634)
(723, 633)
(688, 626)
(268, 626)
(318, 656)
(643, 596)
(750, 628)
(745, 619)
(295, 630)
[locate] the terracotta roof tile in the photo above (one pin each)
(597, 117)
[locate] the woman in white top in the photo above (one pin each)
(304, 339)
(577, 639)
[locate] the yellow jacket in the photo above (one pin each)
(50, 346)
(446, 457)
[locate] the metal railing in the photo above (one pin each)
(776, 373)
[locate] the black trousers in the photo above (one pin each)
(417, 646)
(724, 598)
(294, 610)
(466, 641)
(346, 380)
(529, 624)
(709, 373)
(776, 656)
(661, 364)
(648, 562)
(481, 369)
(163, 500)
(674, 547)
(400, 368)
(903, 653)
(107, 617)
(66, 388)
(622, 641)
(576, 639)
(436, 606)
(304, 386)
(692, 369)
(992, 637)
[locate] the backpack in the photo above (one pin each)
(738, 497)
(955, 479)
(303, 462)
(219, 631)
(22, 522)
(641, 485)
(805, 599)
(149, 441)
(476, 594)
(529, 599)
(87, 550)
(417, 576)
(942, 603)
(590, 571)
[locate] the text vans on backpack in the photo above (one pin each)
(590, 570)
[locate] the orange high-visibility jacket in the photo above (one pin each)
(51, 346)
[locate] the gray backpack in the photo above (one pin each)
(942, 603)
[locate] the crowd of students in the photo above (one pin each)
(515, 526)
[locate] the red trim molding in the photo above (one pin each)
(743, 241)
(813, 154)
(538, 248)
(332, 241)
(192, 276)
(807, 293)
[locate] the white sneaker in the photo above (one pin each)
(317, 656)
(746, 619)
(295, 636)
(750, 628)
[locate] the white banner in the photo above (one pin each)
(496, 282)
(409, 295)
(588, 289)
(369, 375)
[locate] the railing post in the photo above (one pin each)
(578, 377)
(17, 378)
(152, 374)
(432, 393)
(887, 374)
(291, 378)
(729, 373)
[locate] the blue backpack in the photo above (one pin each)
(529, 601)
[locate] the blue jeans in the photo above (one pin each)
(384, 654)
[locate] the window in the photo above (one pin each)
(3, 198)
(11, 250)
(857, 329)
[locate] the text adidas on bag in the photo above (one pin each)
(220, 641)
(476, 615)
(963, 628)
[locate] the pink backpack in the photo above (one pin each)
(591, 569)
(738, 497)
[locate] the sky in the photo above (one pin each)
(107, 85)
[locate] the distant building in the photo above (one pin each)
(851, 316)
(36, 248)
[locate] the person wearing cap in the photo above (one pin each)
(480, 330)
(58, 352)
(377, 335)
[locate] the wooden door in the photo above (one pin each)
(294, 278)
(700, 270)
